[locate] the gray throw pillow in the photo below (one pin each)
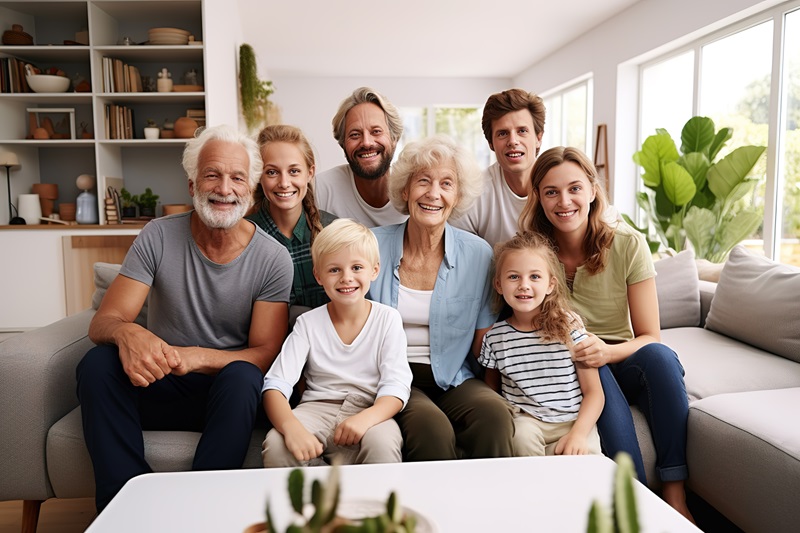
(104, 274)
(678, 290)
(756, 302)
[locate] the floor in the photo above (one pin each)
(56, 516)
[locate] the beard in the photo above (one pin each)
(378, 172)
(214, 218)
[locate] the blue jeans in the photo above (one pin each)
(652, 379)
(115, 412)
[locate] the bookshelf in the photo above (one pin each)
(117, 105)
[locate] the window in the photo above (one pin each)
(463, 124)
(569, 117)
(733, 78)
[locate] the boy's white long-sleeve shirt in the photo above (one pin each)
(375, 364)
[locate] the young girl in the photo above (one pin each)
(611, 280)
(555, 402)
(285, 206)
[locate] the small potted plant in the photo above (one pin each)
(130, 204)
(319, 515)
(147, 203)
(151, 131)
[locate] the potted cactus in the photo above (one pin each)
(319, 514)
(624, 517)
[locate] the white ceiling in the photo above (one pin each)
(414, 38)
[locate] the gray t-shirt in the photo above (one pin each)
(196, 302)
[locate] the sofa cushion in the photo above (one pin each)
(104, 274)
(717, 364)
(743, 454)
(70, 468)
(678, 290)
(756, 302)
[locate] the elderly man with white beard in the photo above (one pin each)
(218, 289)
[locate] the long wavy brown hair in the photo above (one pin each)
(293, 135)
(599, 234)
(556, 318)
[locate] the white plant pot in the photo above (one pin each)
(151, 133)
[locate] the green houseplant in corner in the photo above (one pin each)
(693, 196)
(254, 92)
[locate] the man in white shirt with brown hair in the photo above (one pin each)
(367, 127)
(513, 124)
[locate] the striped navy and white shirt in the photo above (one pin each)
(537, 376)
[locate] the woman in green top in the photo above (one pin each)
(285, 206)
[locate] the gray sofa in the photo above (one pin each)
(744, 443)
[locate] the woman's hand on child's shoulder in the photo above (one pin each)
(591, 351)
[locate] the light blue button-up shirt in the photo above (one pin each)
(461, 301)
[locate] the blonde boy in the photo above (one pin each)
(356, 368)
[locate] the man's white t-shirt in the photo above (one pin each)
(495, 215)
(336, 193)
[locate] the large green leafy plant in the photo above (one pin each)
(692, 196)
(254, 92)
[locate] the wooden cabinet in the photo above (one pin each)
(141, 163)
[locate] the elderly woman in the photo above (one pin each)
(438, 277)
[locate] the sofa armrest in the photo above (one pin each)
(37, 388)
(707, 289)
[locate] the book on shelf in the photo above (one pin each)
(118, 122)
(120, 77)
(13, 78)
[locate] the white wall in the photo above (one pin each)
(310, 103)
(610, 53)
(222, 35)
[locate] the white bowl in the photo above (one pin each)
(47, 83)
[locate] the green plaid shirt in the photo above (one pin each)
(305, 289)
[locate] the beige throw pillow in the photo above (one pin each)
(678, 290)
(756, 302)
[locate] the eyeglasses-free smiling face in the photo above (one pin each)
(346, 275)
(286, 176)
(524, 280)
(221, 191)
(515, 142)
(431, 195)
(565, 195)
(368, 145)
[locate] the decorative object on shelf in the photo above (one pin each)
(37, 122)
(254, 92)
(130, 204)
(82, 37)
(87, 202)
(67, 211)
(164, 81)
(113, 207)
(172, 209)
(192, 42)
(147, 203)
(190, 77)
(328, 514)
(9, 160)
(16, 37)
(48, 194)
(692, 196)
(85, 133)
(30, 210)
(151, 131)
(624, 515)
(185, 128)
(46, 83)
(167, 36)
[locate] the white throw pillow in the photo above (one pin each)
(678, 290)
(756, 302)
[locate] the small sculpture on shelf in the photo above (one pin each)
(87, 202)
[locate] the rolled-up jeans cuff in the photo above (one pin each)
(673, 473)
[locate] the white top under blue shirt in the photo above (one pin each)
(460, 303)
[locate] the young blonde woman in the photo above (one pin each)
(611, 280)
(285, 206)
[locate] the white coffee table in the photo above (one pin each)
(517, 494)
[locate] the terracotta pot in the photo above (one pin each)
(46, 190)
(171, 209)
(67, 211)
(185, 128)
